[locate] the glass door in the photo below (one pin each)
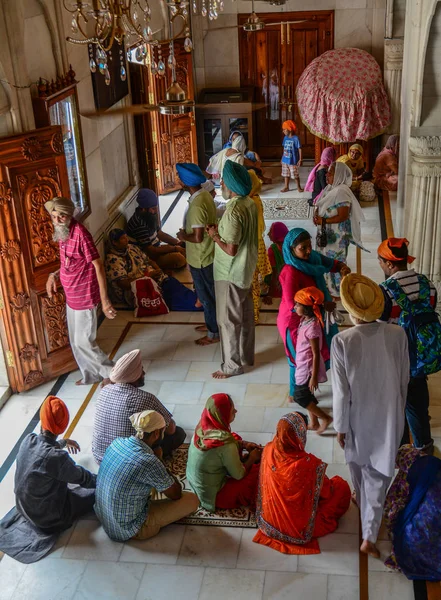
(213, 134)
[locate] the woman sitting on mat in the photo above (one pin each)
(221, 467)
(297, 502)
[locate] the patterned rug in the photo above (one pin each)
(240, 517)
(289, 208)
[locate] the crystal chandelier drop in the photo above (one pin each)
(207, 8)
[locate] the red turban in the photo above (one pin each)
(289, 125)
(311, 296)
(54, 415)
(385, 250)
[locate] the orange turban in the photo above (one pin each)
(54, 415)
(311, 296)
(289, 125)
(385, 252)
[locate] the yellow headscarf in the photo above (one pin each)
(356, 166)
(255, 195)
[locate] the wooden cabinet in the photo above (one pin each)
(33, 328)
(215, 122)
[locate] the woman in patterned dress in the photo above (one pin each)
(340, 210)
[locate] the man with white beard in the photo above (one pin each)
(370, 373)
(83, 279)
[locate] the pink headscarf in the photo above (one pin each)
(326, 160)
(278, 231)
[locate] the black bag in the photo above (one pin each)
(322, 237)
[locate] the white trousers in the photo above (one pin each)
(370, 489)
(91, 360)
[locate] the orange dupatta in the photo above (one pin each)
(289, 490)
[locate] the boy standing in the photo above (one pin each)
(292, 155)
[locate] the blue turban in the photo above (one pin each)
(190, 174)
(147, 198)
(236, 178)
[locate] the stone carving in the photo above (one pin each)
(33, 377)
(393, 55)
(20, 303)
(28, 352)
(5, 193)
(31, 149)
(54, 312)
(183, 148)
(428, 146)
(11, 250)
(57, 143)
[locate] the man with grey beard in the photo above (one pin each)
(83, 279)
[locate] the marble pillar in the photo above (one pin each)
(424, 223)
(393, 69)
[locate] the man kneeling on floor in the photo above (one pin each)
(128, 473)
(121, 399)
(45, 501)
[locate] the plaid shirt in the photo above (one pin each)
(115, 405)
(126, 477)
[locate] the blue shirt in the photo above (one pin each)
(291, 147)
(127, 474)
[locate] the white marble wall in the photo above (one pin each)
(358, 23)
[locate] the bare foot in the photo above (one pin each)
(285, 189)
(313, 424)
(370, 548)
(325, 424)
(198, 304)
(299, 189)
(291, 399)
(201, 328)
(206, 341)
(221, 375)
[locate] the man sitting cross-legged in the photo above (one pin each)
(128, 473)
(121, 399)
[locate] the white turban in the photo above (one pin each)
(146, 422)
(208, 185)
(60, 204)
(128, 368)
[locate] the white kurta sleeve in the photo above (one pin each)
(340, 387)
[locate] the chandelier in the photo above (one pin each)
(104, 22)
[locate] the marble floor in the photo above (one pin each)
(194, 562)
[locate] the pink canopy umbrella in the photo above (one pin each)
(341, 96)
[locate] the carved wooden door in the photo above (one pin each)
(33, 328)
(271, 62)
(174, 136)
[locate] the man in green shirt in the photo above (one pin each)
(201, 212)
(235, 261)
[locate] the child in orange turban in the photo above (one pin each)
(310, 366)
(292, 155)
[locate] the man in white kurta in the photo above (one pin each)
(370, 374)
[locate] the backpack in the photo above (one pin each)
(422, 326)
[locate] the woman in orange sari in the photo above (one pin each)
(386, 166)
(296, 502)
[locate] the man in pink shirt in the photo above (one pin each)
(83, 279)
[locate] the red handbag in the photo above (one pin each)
(148, 298)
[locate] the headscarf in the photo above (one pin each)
(147, 198)
(230, 139)
(347, 160)
(326, 160)
(311, 296)
(279, 231)
(362, 297)
(239, 144)
(392, 144)
(289, 489)
(208, 186)
(190, 174)
(61, 205)
(213, 430)
(146, 422)
(236, 178)
(54, 415)
(255, 183)
(385, 250)
(290, 125)
(313, 266)
(340, 191)
(128, 369)
(116, 234)
(358, 147)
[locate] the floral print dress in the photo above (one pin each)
(339, 236)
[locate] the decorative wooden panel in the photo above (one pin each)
(33, 329)
(271, 62)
